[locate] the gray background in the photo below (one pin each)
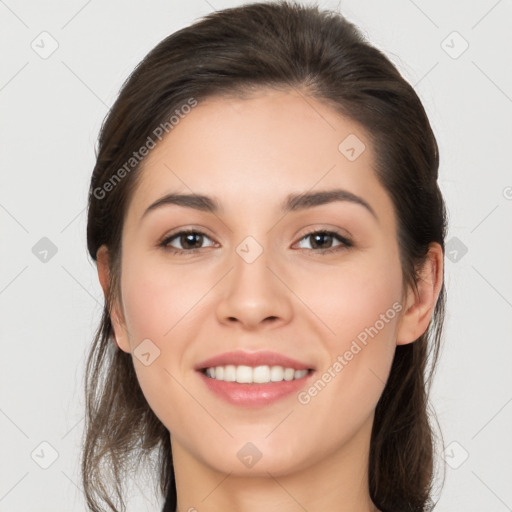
(51, 108)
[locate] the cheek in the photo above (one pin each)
(157, 299)
(359, 309)
(356, 296)
(161, 304)
(156, 304)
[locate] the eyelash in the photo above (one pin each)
(345, 242)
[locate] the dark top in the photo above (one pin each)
(170, 499)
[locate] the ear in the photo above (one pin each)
(420, 305)
(117, 316)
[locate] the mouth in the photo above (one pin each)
(255, 387)
(263, 374)
(254, 379)
(260, 367)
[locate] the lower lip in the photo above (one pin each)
(254, 395)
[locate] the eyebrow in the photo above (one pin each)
(292, 202)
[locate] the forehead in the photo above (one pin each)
(257, 150)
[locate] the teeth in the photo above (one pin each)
(257, 375)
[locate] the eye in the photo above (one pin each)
(322, 238)
(191, 241)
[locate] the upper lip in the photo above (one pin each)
(261, 358)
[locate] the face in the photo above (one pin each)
(252, 278)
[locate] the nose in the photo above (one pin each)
(254, 294)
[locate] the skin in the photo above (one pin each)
(250, 154)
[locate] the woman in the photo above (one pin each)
(269, 235)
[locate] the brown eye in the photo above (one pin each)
(189, 240)
(322, 241)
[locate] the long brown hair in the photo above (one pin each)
(234, 52)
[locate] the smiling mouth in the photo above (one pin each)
(264, 374)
